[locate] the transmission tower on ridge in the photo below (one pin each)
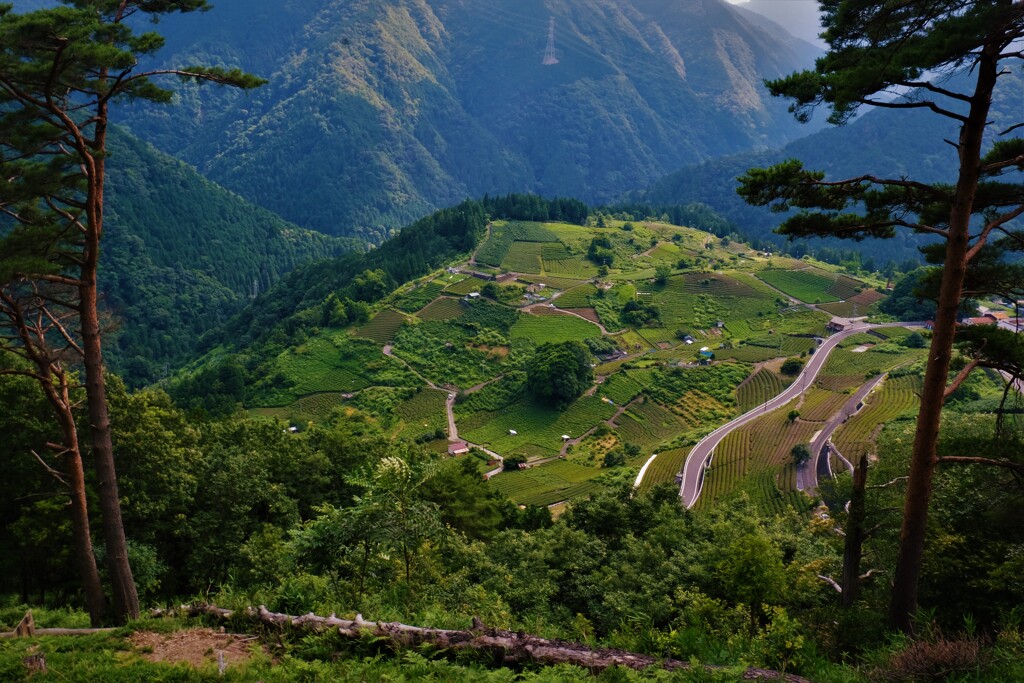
(549, 52)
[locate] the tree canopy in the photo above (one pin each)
(560, 372)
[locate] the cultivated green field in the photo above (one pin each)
(553, 328)
(382, 327)
(424, 413)
(551, 483)
(538, 428)
(812, 285)
(664, 468)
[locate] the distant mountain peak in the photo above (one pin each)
(376, 112)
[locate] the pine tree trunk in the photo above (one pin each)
(124, 597)
(81, 535)
(53, 380)
(852, 548)
(903, 604)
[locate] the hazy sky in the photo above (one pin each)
(799, 17)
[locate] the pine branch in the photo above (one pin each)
(978, 460)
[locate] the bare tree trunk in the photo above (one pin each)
(80, 532)
(124, 597)
(903, 603)
(852, 548)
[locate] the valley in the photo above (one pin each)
(685, 330)
(617, 340)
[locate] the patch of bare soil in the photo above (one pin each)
(195, 647)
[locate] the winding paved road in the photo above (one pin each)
(693, 470)
(807, 474)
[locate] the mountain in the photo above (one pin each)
(182, 255)
(883, 142)
(377, 112)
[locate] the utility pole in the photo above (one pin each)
(549, 52)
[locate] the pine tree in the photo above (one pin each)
(947, 57)
(61, 68)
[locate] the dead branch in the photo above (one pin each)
(511, 647)
(888, 483)
(832, 582)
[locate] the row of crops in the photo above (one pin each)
(811, 284)
(443, 308)
(665, 467)
(553, 328)
(538, 429)
(382, 327)
(550, 483)
(897, 397)
(423, 413)
(758, 388)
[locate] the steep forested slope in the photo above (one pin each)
(182, 254)
(376, 112)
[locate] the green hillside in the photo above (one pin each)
(459, 304)
(182, 255)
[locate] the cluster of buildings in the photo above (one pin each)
(999, 318)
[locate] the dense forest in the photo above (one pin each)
(182, 255)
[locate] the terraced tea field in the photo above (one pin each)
(762, 446)
(846, 369)
(811, 285)
(424, 413)
(647, 424)
(758, 388)
(324, 365)
(821, 404)
(311, 408)
(416, 299)
(551, 483)
(864, 303)
(621, 387)
(897, 397)
(575, 268)
(523, 257)
(553, 328)
(464, 287)
(443, 308)
(538, 428)
(382, 327)
(664, 468)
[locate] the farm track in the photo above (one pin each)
(693, 469)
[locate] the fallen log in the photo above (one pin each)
(57, 632)
(510, 646)
(27, 628)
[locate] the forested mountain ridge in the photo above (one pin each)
(183, 255)
(884, 142)
(376, 113)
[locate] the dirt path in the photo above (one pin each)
(449, 403)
